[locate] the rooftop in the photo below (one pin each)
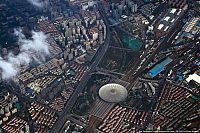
(113, 92)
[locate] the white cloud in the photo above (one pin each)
(8, 70)
(37, 45)
(38, 3)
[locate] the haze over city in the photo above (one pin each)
(99, 66)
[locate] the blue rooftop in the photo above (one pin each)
(198, 63)
(198, 23)
(159, 67)
(186, 34)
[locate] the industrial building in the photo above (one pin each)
(169, 19)
(190, 30)
(158, 68)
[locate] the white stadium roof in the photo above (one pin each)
(113, 93)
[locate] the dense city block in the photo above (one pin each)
(99, 66)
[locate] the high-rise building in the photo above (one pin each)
(177, 3)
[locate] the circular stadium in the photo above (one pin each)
(112, 92)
